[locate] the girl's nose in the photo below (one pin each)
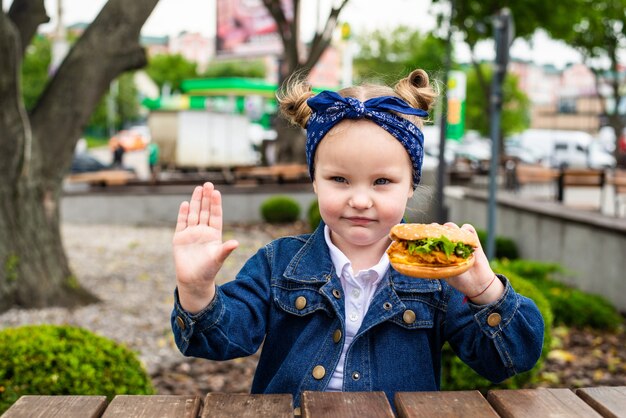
(360, 200)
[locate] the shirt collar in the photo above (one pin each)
(341, 262)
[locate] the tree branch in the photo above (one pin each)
(109, 46)
(322, 39)
(27, 15)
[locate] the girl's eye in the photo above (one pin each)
(380, 182)
(338, 179)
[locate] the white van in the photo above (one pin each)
(558, 148)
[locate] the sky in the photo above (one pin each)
(170, 17)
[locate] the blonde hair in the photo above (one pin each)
(414, 89)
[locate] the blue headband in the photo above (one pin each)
(329, 108)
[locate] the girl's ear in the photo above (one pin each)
(314, 186)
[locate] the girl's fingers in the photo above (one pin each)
(194, 207)
(181, 221)
(205, 204)
(215, 220)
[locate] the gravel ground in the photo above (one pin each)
(131, 270)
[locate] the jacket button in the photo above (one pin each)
(319, 372)
(494, 319)
(387, 306)
(336, 294)
(300, 302)
(356, 375)
(409, 316)
(180, 322)
(337, 335)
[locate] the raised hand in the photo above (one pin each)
(198, 248)
(478, 283)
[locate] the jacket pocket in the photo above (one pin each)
(299, 299)
(418, 312)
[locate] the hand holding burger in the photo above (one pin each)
(434, 251)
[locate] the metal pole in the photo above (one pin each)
(442, 212)
(502, 39)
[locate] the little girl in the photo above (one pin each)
(331, 313)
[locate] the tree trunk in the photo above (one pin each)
(290, 140)
(36, 150)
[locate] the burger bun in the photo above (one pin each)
(433, 271)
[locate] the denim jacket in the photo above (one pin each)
(289, 298)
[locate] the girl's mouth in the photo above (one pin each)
(359, 220)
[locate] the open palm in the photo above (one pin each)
(198, 248)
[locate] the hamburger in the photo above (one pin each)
(431, 251)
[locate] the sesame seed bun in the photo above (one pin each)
(412, 232)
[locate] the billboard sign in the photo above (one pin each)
(246, 28)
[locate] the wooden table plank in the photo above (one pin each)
(345, 405)
(241, 405)
(36, 406)
(535, 403)
(608, 401)
(148, 406)
(466, 404)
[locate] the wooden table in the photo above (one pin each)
(531, 403)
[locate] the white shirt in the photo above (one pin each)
(359, 290)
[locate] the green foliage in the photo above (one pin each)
(170, 69)
(280, 209)
(313, 215)
(236, 68)
(35, 70)
(515, 108)
(11, 267)
(473, 18)
(570, 306)
(456, 375)
(64, 360)
(126, 105)
(505, 247)
(385, 57)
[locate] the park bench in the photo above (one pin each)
(279, 173)
(571, 177)
(103, 177)
(542, 402)
(530, 174)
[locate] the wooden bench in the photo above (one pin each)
(569, 177)
(527, 403)
(535, 174)
(103, 177)
(280, 173)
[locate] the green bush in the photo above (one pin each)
(505, 247)
(313, 215)
(570, 306)
(64, 360)
(456, 375)
(280, 209)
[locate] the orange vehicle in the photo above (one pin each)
(129, 140)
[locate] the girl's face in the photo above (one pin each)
(363, 180)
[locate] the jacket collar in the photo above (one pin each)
(312, 262)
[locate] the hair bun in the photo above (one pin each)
(415, 89)
(419, 78)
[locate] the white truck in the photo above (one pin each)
(561, 148)
(199, 139)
